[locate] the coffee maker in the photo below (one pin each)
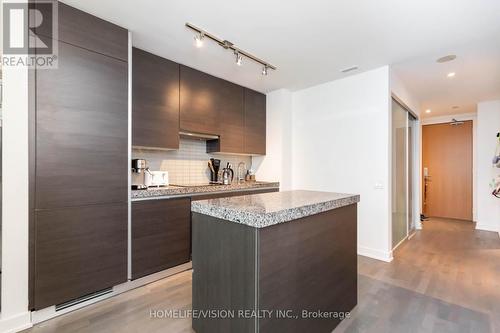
(139, 170)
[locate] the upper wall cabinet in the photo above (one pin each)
(199, 102)
(169, 98)
(231, 119)
(155, 101)
(255, 123)
(89, 32)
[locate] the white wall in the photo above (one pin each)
(276, 165)
(341, 144)
(399, 89)
(14, 285)
(14, 298)
(488, 125)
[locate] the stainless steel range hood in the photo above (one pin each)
(198, 136)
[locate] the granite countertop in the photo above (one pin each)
(266, 209)
(176, 191)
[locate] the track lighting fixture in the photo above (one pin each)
(239, 58)
(198, 39)
(264, 70)
(239, 53)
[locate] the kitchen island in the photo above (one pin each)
(274, 262)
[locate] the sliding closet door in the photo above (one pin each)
(412, 139)
(400, 216)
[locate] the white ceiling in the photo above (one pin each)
(477, 78)
(309, 41)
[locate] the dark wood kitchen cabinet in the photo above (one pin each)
(231, 120)
(155, 101)
(79, 250)
(255, 123)
(81, 130)
(78, 158)
(205, 105)
(199, 101)
(161, 235)
(78, 28)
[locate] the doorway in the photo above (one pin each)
(447, 170)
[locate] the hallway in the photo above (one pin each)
(445, 279)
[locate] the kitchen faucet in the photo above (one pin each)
(241, 172)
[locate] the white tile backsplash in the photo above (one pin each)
(188, 165)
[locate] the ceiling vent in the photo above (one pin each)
(349, 69)
(447, 58)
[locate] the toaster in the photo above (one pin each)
(157, 178)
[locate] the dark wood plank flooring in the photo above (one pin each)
(445, 279)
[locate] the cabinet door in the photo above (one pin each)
(81, 130)
(231, 119)
(79, 251)
(255, 122)
(161, 235)
(155, 101)
(199, 101)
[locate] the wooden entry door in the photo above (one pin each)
(447, 156)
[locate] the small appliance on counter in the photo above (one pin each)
(139, 171)
(227, 174)
(214, 166)
(157, 178)
(142, 177)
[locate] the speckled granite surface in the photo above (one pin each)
(169, 191)
(263, 210)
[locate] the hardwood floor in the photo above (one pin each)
(445, 279)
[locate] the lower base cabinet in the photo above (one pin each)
(161, 231)
(78, 251)
(161, 235)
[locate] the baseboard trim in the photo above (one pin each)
(375, 254)
(401, 242)
(16, 323)
(50, 312)
(487, 227)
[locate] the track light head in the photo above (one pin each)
(198, 39)
(264, 70)
(239, 58)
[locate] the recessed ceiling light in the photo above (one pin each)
(452, 74)
(447, 58)
(428, 111)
